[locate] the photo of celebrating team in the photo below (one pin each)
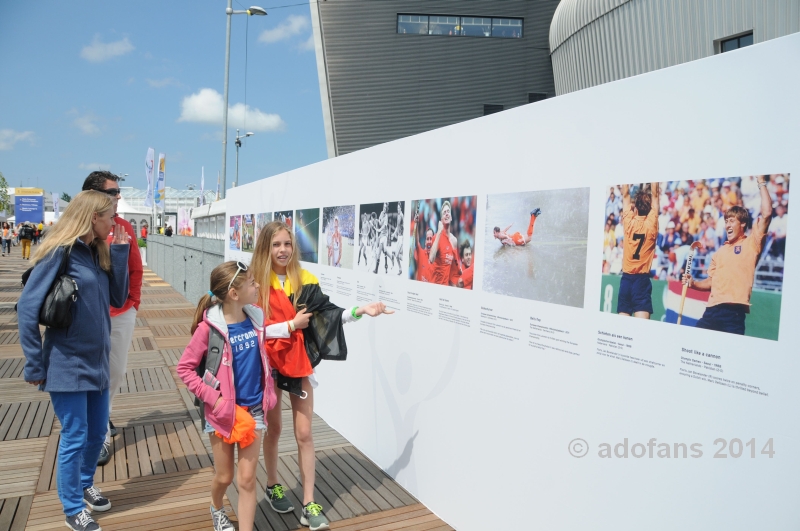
(535, 245)
(702, 253)
(338, 236)
(380, 238)
(442, 249)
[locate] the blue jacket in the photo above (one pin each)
(75, 358)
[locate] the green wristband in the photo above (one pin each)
(353, 313)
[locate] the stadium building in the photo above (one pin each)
(402, 67)
(396, 68)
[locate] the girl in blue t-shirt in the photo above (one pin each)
(238, 396)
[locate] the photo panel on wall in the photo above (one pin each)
(442, 249)
(535, 245)
(235, 233)
(248, 233)
(381, 229)
(261, 222)
(705, 253)
(306, 232)
(338, 236)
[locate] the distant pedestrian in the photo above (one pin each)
(7, 234)
(168, 231)
(26, 233)
(144, 232)
(72, 364)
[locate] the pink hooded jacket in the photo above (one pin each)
(222, 417)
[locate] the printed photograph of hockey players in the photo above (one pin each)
(338, 236)
(705, 253)
(306, 231)
(235, 233)
(261, 222)
(380, 238)
(442, 249)
(248, 233)
(535, 245)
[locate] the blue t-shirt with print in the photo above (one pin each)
(247, 370)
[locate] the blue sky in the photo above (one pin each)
(90, 84)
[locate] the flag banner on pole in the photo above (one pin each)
(160, 182)
(202, 185)
(55, 205)
(148, 170)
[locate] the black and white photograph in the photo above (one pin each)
(381, 227)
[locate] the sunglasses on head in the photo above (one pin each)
(240, 267)
(111, 191)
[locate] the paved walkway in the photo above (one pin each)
(160, 474)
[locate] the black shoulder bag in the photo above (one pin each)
(55, 311)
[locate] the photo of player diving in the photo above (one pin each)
(704, 253)
(442, 234)
(338, 232)
(380, 238)
(535, 245)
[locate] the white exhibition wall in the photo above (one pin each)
(479, 425)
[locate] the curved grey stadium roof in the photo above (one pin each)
(572, 15)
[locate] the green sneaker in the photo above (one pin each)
(278, 500)
(313, 517)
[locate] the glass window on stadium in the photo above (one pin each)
(736, 43)
(414, 24)
(453, 26)
(442, 25)
(507, 28)
(476, 27)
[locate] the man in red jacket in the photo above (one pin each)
(123, 320)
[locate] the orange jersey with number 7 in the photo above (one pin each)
(639, 244)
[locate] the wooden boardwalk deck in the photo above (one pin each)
(160, 473)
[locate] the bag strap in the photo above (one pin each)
(64, 261)
(216, 344)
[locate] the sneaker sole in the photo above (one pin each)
(73, 529)
(98, 508)
(322, 527)
(290, 509)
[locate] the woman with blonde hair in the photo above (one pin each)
(72, 363)
(302, 327)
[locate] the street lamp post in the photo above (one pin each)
(238, 145)
(254, 10)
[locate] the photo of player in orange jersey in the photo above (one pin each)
(545, 259)
(706, 253)
(441, 229)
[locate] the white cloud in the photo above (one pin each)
(293, 25)
(166, 82)
(206, 107)
(86, 123)
(94, 166)
(307, 45)
(100, 51)
(9, 137)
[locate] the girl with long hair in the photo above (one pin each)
(72, 363)
(293, 300)
(241, 391)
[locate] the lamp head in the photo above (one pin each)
(255, 10)
(249, 134)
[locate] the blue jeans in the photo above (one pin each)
(84, 420)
